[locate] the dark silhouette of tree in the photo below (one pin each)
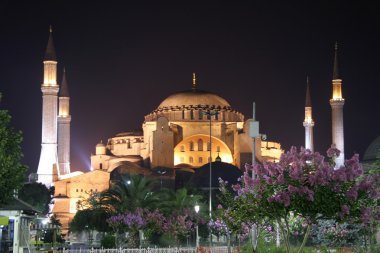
(11, 170)
(37, 195)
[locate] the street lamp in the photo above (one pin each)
(209, 114)
(161, 172)
(196, 208)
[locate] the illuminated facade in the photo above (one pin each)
(177, 135)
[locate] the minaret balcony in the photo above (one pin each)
(337, 101)
(308, 123)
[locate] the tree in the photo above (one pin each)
(11, 170)
(37, 195)
(306, 184)
(128, 195)
(180, 199)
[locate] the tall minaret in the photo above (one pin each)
(308, 122)
(49, 88)
(337, 103)
(64, 120)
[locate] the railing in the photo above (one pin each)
(222, 249)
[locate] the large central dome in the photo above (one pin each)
(193, 98)
(191, 105)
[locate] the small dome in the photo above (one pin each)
(194, 97)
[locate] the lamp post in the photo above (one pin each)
(196, 208)
(209, 114)
(161, 172)
(254, 133)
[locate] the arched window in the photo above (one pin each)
(182, 148)
(100, 166)
(200, 160)
(183, 114)
(191, 146)
(191, 159)
(208, 146)
(129, 144)
(200, 145)
(200, 114)
(191, 114)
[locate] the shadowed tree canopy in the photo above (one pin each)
(11, 169)
(37, 195)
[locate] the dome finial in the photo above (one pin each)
(336, 69)
(194, 82)
(308, 96)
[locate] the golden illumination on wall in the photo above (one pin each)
(271, 151)
(308, 115)
(337, 89)
(50, 73)
(195, 152)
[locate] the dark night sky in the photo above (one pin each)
(122, 60)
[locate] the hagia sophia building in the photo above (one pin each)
(175, 138)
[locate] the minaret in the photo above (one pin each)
(49, 88)
(64, 120)
(337, 103)
(308, 122)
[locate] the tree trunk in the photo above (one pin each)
(133, 240)
(305, 237)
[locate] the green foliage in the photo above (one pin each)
(37, 195)
(127, 195)
(108, 242)
(11, 170)
(169, 200)
(90, 219)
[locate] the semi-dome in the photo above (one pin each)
(193, 98)
(372, 151)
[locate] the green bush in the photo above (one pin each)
(108, 242)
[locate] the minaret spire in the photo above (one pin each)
(64, 121)
(194, 87)
(64, 90)
(337, 103)
(308, 122)
(50, 50)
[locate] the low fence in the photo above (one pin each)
(222, 249)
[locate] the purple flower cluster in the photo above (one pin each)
(130, 220)
(218, 226)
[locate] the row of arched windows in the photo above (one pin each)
(200, 115)
(200, 146)
(191, 160)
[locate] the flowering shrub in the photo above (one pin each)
(178, 224)
(308, 185)
(331, 233)
(130, 221)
